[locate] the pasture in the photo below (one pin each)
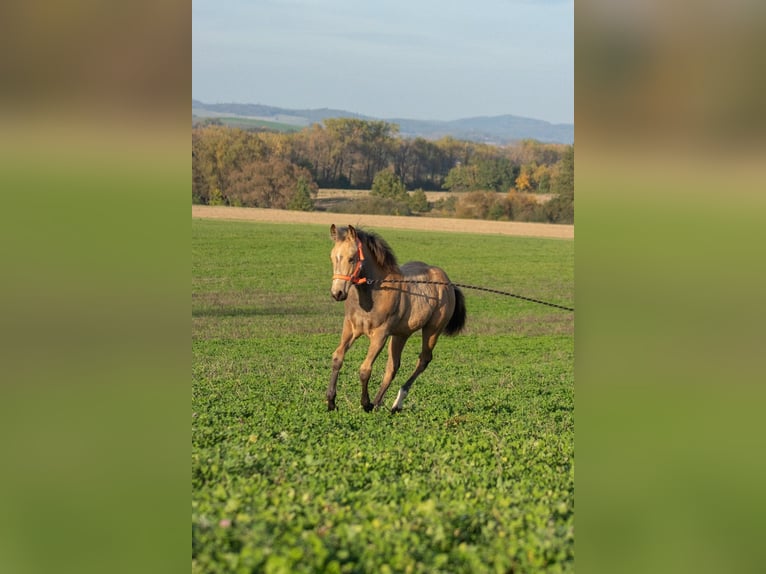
(476, 474)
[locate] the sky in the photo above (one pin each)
(414, 59)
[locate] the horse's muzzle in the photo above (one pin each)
(339, 294)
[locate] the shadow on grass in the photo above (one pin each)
(252, 311)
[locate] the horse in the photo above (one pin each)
(382, 300)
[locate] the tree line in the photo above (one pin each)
(233, 166)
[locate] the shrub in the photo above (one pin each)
(418, 201)
(216, 197)
(387, 184)
(445, 207)
(490, 205)
(301, 200)
(523, 208)
(560, 209)
(476, 204)
(376, 206)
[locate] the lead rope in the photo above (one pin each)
(497, 292)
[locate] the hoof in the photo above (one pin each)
(395, 410)
(330, 407)
(367, 408)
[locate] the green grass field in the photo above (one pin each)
(475, 475)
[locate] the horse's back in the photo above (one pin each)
(438, 304)
(420, 271)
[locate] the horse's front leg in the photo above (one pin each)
(377, 341)
(346, 339)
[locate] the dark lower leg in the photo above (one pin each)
(364, 378)
(347, 339)
(331, 389)
(376, 345)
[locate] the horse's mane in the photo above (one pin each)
(377, 246)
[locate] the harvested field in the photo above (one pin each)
(523, 229)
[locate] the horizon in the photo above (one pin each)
(335, 108)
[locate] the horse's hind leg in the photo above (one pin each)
(429, 342)
(392, 366)
(377, 341)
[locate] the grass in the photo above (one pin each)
(475, 475)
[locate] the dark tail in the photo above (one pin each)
(457, 321)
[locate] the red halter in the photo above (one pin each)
(354, 277)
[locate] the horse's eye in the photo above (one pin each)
(350, 259)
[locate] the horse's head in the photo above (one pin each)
(347, 259)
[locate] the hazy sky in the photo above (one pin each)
(420, 59)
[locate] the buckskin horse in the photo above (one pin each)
(382, 300)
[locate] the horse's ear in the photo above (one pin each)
(333, 233)
(351, 232)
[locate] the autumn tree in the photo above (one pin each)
(455, 152)
(377, 146)
(218, 152)
(420, 163)
(542, 178)
(564, 181)
(462, 178)
(561, 207)
(523, 182)
(280, 145)
(495, 173)
(241, 167)
(314, 149)
(532, 151)
(273, 183)
(360, 148)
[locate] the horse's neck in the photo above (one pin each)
(371, 298)
(368, 297)
(375, 272)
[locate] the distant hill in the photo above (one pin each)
(488, 129)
